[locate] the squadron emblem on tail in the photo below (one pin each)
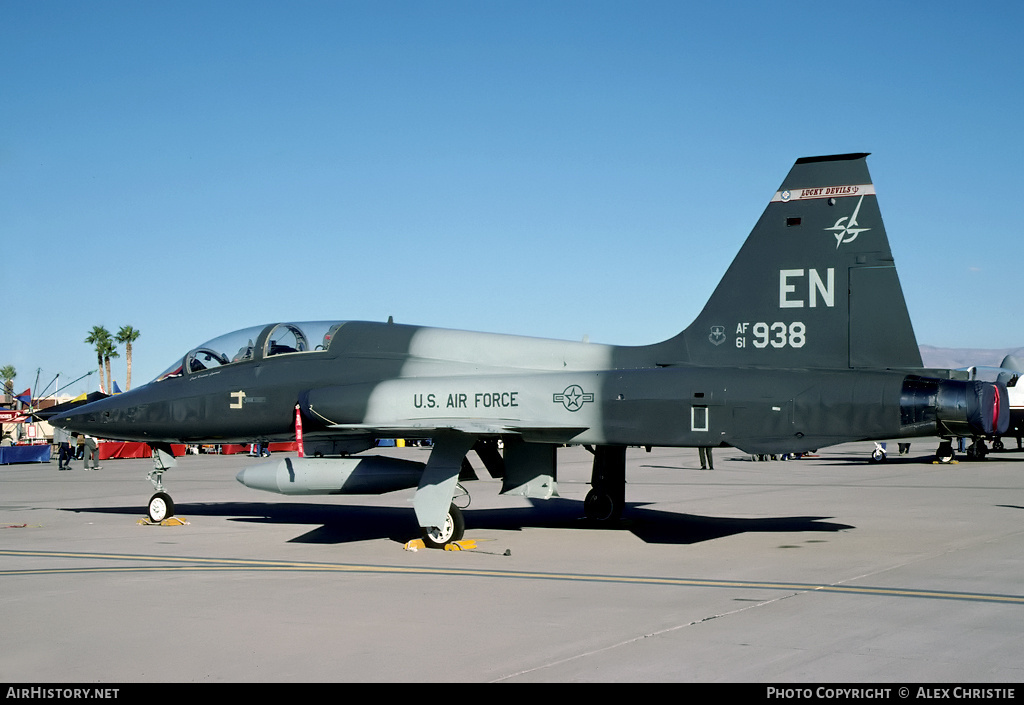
(848, 232)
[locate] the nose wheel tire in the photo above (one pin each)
(453, 530)
(161, 506)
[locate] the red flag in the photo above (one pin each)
(298, 432)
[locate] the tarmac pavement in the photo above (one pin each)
(819, 570)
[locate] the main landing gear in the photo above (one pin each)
(453, 530)
(944, 453)
(607, 498)
(977, 450)
(439, 519)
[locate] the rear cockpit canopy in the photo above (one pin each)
(257, 343)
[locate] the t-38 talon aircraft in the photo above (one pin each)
(806, 342)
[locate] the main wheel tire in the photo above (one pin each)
(600, 506)
(161, 506)
(453, 530)
(945, 453)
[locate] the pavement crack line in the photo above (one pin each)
(649, 635)
(930, 556)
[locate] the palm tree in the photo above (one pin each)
(128, 335)
(109, 351)
(7, 374)
(100, 337)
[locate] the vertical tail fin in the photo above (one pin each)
(814, 285)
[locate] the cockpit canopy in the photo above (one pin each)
(255, 343)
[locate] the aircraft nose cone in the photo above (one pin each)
(83, 423)
(106, 418)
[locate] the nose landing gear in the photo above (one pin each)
(160, 506)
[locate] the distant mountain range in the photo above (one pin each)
(965, 357)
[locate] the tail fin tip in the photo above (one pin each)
(833, 158)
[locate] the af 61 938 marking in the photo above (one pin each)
(777, 334)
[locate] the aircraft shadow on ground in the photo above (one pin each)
(895, 459)
(336, 524)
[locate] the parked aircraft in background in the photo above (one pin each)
(805, 343)
(1009, 373)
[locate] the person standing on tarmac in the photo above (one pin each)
(60, 436)
(92, 454)
(706, 462)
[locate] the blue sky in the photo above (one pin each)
(557, 169)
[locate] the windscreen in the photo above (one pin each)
(254, 343)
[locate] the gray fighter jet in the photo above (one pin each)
(806, 342)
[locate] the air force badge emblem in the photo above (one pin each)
(573, 397)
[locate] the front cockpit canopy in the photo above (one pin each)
(257, 343)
